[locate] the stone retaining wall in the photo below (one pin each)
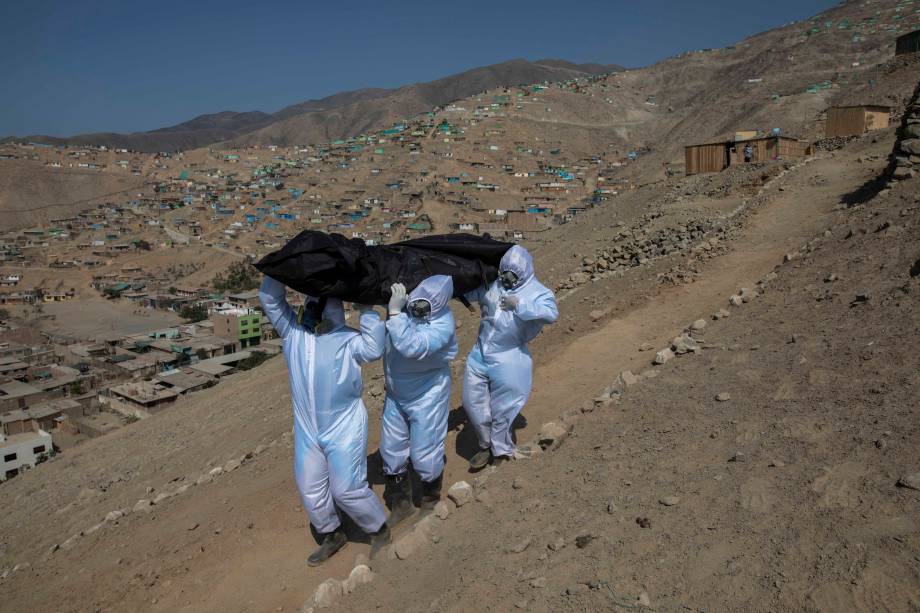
(905, 159)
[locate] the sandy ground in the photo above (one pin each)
(95, 317)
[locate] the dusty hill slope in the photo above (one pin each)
(32, 194)
(366, 115)
(336, 116)
(237, 540)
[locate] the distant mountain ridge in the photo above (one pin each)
(337, 116)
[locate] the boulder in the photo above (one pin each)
(71, 542)
(685, 344)
(326, 593)
(551, 435)
(143, 506)
(911, 145)
(664, 356)
(911, 481)
(359, 575)
(163, 496)
(461, 493)
(628, 378)
(442, 510)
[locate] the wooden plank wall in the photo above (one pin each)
(876, 120)
(845, 122)
(705, 158)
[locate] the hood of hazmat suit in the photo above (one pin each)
(417, 366)
(436, 290)
(330, 420)
(499, 374)
(519, 261)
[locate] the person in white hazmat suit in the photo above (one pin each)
(421, 343)
(498, 377)
(324, 359)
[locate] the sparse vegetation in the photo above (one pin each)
(257, 358)
(193, 312)
(239, 277)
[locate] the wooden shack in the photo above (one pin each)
(710, 157)
(908, 43)
(855, 120)
(716, 157)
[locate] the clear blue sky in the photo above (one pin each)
(98, 65)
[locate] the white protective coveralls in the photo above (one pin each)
(330, 420)
(499, 368)
(417, 366)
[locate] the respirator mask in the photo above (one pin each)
(508, 279)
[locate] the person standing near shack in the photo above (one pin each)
(498, 376)
(748, 153)
(324, 359)
(421, 343)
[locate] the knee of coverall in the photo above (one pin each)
(394, 438)
(427, 436)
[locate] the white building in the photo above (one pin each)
(18, 451)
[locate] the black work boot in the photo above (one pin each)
(398, 495)
(482, 459)
(332, 542)
(431, 492)
(379, 540)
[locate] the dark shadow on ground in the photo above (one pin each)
(467, 443)
(865, 192)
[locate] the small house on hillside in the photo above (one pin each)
(855, 120)
(716, 157)
(908, 43)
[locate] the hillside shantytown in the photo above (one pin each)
(722, 416)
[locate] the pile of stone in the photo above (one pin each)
(834, 143)
(636, 246)
(905, 159)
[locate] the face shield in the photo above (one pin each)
(419, 309)
(508, 279)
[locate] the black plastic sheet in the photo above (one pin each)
(320, 264)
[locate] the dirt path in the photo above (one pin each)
(780, 227)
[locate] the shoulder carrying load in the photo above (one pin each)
(331, 265)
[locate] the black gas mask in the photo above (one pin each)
(419, 309)
(508, 279)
